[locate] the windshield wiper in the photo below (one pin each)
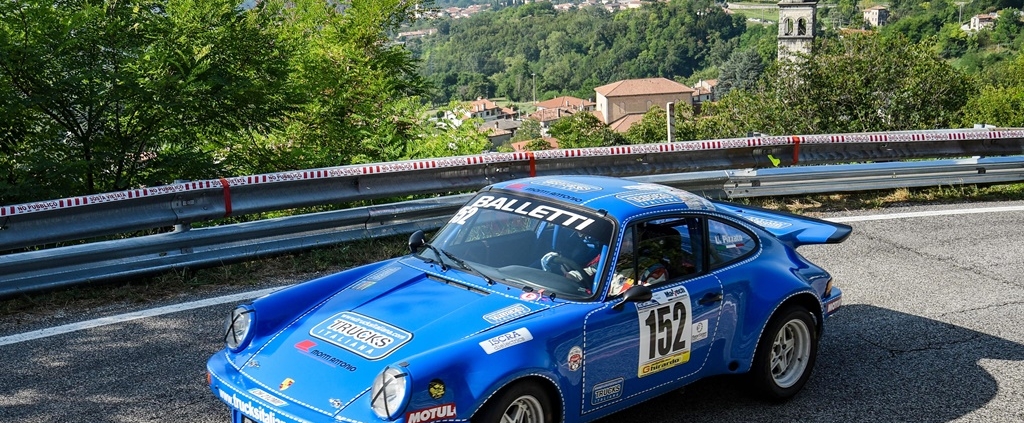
(440, 260)
(462, 263)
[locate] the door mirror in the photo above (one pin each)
(416, 241)
(636, 294)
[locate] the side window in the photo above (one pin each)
(657, 252)
(728, 243)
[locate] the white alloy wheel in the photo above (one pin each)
(791, 352)
(525, 409)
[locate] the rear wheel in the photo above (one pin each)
(523, 402)
(785, 355)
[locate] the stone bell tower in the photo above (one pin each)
(796, 27)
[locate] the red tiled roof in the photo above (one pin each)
(646, 86)
(548, 115)
(622, 125)
(564, 101)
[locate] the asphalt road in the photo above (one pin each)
(931, 331)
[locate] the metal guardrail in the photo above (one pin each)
(675, 164)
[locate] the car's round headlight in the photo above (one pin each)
(388, 393)
(238, 327)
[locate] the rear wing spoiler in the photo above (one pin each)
(792, 229)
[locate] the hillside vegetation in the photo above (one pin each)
(104, 95)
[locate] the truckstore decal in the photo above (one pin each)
(361, 335)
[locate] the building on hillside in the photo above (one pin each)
(567, 103)
(876, 15)
(482, 108)
(980, 22)
(796, 28)
(705, 91)
(622, 103)
(488, 110)
(547, 117)
(417, 34)
(500, 131)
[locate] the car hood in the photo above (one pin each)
(329, 356)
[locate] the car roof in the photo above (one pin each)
(621, 198)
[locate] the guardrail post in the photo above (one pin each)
(180, 201)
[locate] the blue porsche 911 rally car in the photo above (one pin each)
(560, 298)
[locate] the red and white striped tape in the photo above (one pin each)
(225, 184)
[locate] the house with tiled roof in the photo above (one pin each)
(980, 22)
(618, 102)
(704, 90)
(568, 103)
(488, 110)
(876, 15)
(547, 117)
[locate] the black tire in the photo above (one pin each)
(785, 355)
(526, 400)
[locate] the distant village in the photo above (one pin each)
(619, 105)
(623, 103)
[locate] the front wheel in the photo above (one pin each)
(523, 402)
(785, 355)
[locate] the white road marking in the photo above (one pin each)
(142, 314)
(110, 320)
(924, 214)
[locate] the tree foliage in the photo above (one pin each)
(886, 84)
(574, 51)
(106, 95)
(583, 130)
(1000, 103)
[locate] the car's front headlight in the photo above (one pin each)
(238, 327)
(389, 392)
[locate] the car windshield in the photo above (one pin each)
(537, 245)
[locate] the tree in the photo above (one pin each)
(885, 84)
(1000, 103)
(652, 128)
(583, 130)
(529, 130)
(350, 82)
(444, 137)
(114, 94)
(742, 70)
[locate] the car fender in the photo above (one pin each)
(275, 311)
(755, 300)
(471, 375)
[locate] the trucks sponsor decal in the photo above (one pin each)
(253, 411)
(367, 337)
(666, 331)
(443, 411)
(506, 340)
(606, 391)
(507, 313)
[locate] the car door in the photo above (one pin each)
(632, 348)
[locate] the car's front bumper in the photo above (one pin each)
(251, 403)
